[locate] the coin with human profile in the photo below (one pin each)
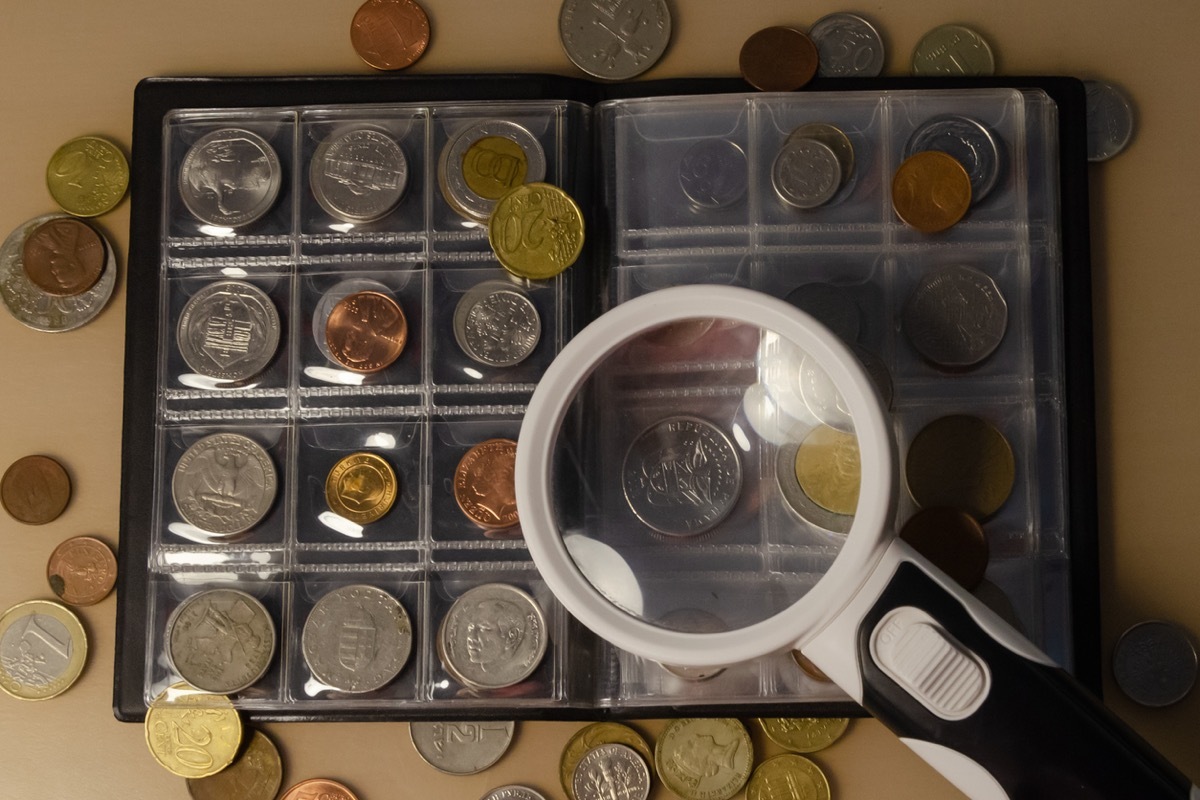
(494, 636)
(361, 487)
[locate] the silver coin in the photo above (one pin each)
(221, 640)
(1109, 120)
(831, 305)
(682, 476)
(799, 501)
(955, 317)
(458, 194)
(970, 143)
(497, 325)
(847, 46)
(494, 636)
(358, 175)
(230, 178)
(36, 652)
(357, 639)
(953, 50)
(1155, 663)
(806, 173)
(513, 792)
(614, 39)
(692, 620)
(611, 772)
(37, 309)
(461, 748)
(834, 138)
(228, 330)
(224, 484)
(821, 395)
(713, 173)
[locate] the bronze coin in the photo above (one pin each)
(778, 59)
(962, 462)
(931, 191)
(485, 485)
(318, 789)
(953, 540)
(390, 34)
(810, 669)
(35, 489)
(63, 257)
(82, 571)
(366, 331)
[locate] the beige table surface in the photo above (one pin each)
(69, 68)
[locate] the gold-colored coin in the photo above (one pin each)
(593, 736)
(193, 734)
(256, 775)
(931, 191)
(962, 462)
(87, 176)
(828, 469)
(494, 166)
(810, 669)
(361, 487)
(704, 759)
(43, 649)
(804, 734)
(788, 777)
(536, 231)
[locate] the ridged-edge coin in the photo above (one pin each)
(224, 484)
(461, 748)
(611, 770)
(221, 640)
(357, 639)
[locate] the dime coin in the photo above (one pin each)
(224, 484)
(962, 462)
(788, 777)
(536, 231)
(594, 735)
(318, 789)
(366, 332)
(255, 775)
(485, 484)
(390, 34)
(799, 501)
(931, 191)
(230, 177)
(955, 317)
(615, 41)
(848, 46)
(358, 175)
(42, 650)
(221, 640)
(35, 490)
(704, 759)
(497, 325)
(192, 734)
(713, 173)
(229, 330)
(513, 792)
(968, 141)
(831, 305)
(357, 639)
(828, 469)
(1155, 664)
(361, 487)
(682, 476)
(63, 257)
(778, 59)
(693, 620)
(611, 770)
(806, 173)
(952, 540)
(82, 571)
(953, 50)
(835, 139)
(484, 161)
(87, 176)
(1109, 120)
(810, 669)
(461, 748)
(804, 734)
(495, 636)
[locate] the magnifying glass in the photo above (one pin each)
(646, 478)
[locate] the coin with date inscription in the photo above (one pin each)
(955, 317)
(228, 331)
(224, 484)
(494, 636)
(611, 770)
(497, 324)
(221, 640)
(230, 178)
(358, 175)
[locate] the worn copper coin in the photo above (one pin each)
(255, 775)
(778, 59)
(82, 571)
(35, 489)
(963, 462)
(366, 331)
(809, 668)
(318, 789)
(390, 34)
(485, 486)
(63, 257)
(931, 191)
(361, 488)
(953, 540)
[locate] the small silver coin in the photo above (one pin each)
(513, 792)
(833, 137)
(224, 484)
(229, 331)
(692, 620)
(221, 640)
(497, 325)
(1109, 120)
(230, 177)
(713, 173)
(970, 143)
(494, 636)
(798, 500)
(358, 175)
(953, 50)
(847, 46)
(616, 39)
(461, 748)
(357, 639)
(611, 771)
(806, 173)
(955, 317)
(1155, 663)
(458, 194)
(682, 476)
(831, 305)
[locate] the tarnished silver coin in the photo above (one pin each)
(969, 141)
(230, 177)
(461, 748)
(692, 620)
(494, 636)
(682, 476)
(454, 174)
(229, 331)
(357, 639)
(806, 173)
(713, 173)
(497, 324)
(953, 50)
(611, 771)
(831, 305)
(1109, 120)
(955, 317)
(614, 40)
(514, 792)
(798, 500)
(358, 175)
(221, 640)
(847, 46)
(1155, 663)
(224, 484)
(834, 138)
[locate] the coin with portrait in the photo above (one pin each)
(361, 487)
(494, 636)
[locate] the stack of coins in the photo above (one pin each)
(493, 636)
(357, 639)
(224, 485)
(230, 178)
(598, 735)
(87, 176)
(228, 332)
(968, 141)
(815, 162)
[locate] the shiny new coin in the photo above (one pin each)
(963, 462)
(804, 734)
(255, 775)
(611, 770)
(494, 636)
(358, 175)
(497, 324)
(461, 748)
(778, 59)
(224, 484)
(828, 469)
(42, 650)
(704, 759)
(318, 789)
(366, 332)
(536, 231)
(931, 191)
(485, 484)
(35, 490)
(221, 640)
(82, 571)
(361, 487)
(230, 178)
(192, 734)
(953, 540)
(594, 735)
(788, 777)
(953, 50)
(357, 639)
(64, 257)
(87, 176)
(390, 34)
(484, 161)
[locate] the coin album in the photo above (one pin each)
(276, 239)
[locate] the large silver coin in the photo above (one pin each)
(1155, 663)
(513, 792)
(461, 748)
(228, 330)
(494, 636)
(1109, 120)
(970, 143)
(358, 175)
(799, 501)
(834, 138)
(953, 50)
(617, 39)
(682, 476)
(357, 639)
(847, 46)
(221, 640)
(224, 484)
(230, 178)
(497, 325)
(692, 620)
(806, 173)
(713, 173)
(453, 179)
(955, 317)
(611, 771)
(831, 305)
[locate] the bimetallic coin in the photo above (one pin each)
(952, 540)
(1109, 120)
(390, 34)
(611, 771)
(35, 490)
(848, 46)
(713, 173)
(82, 571)
(494, 636)
(255, 775)
(799, 501)
(366, 331)
(192, 734)
(970, 143)
(828, 469)
(704, 759)
(835, 139)
(536, 231)
(955, 317)
(221, 640)
(461, 748)
(962, 462)
(831, 305)
(42, 650)
(358, 175)
(475, 170)
(1155, 664)
(788, 777)
(87, 176)
(224, 484)
(318, 789)
(692, 620)
(804, 734)
(513, 792)
(485, 484)
(497, 325)
(594, 735)
(361, 487)
(778, 59)
(229, 330)
(806, 173)
(357, 639)
(953, 50)
(931, 191)
(615, 41)
(230, 177)
(63, 257)
(493, 166)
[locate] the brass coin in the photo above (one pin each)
(87, 176)
(366, 331)
(804, 734)
(361, 487)
(390, 34)
(778, 59)
(494, 166)
(953, 540)
(35, 489)
(788, 777)
(255, 775)
(485, 484)
(704, 759)
(536, 231)
(810, 669)
(63, 257)
(82, 571)
(828, 469)
(931, 191)
(962, 462)
(593, 736)
(42, 650)
(191, 733)
(318, 789)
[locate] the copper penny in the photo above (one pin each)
(390, 34)
(82, 571)
(366, 331)
(953, 540)
(484, 484)
(931, 191)
(63, 257)
(35, 489)
(318, 789)
(778, 59)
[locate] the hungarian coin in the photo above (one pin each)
(806, 173)
(1109, 120)
(1155, 663)
(255, 775)
(828, 469)
(221, 640)
(848, 46)
(778, 59)
(788, 777)
(82, 571)
(35, 490)
(835, 139)
(804, 734)
(611, 770)
(42, 650)
(963, 462)
(713, 173)
(357, 639)
(229, 330)
(970, 143)
(682, 476)
(361, 487)
(952, 540)
(461, 748)
(318, 789)
(615, 41)
(479, 165)
(230, 177)
(704, 759)
(953, 50)
(513, 792)
(366, 331)
(358, 175)
(692, 620)
(63, 257)
(497, 325)
(495, 636)
(536, 231)
(809, 668)
(831, 305)
(485, 484)
(192, 734)
(799, 501)
(594, 735)
(931, 191)
(955, 317)
(390, 34)
(224, 484)
(87, 176)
